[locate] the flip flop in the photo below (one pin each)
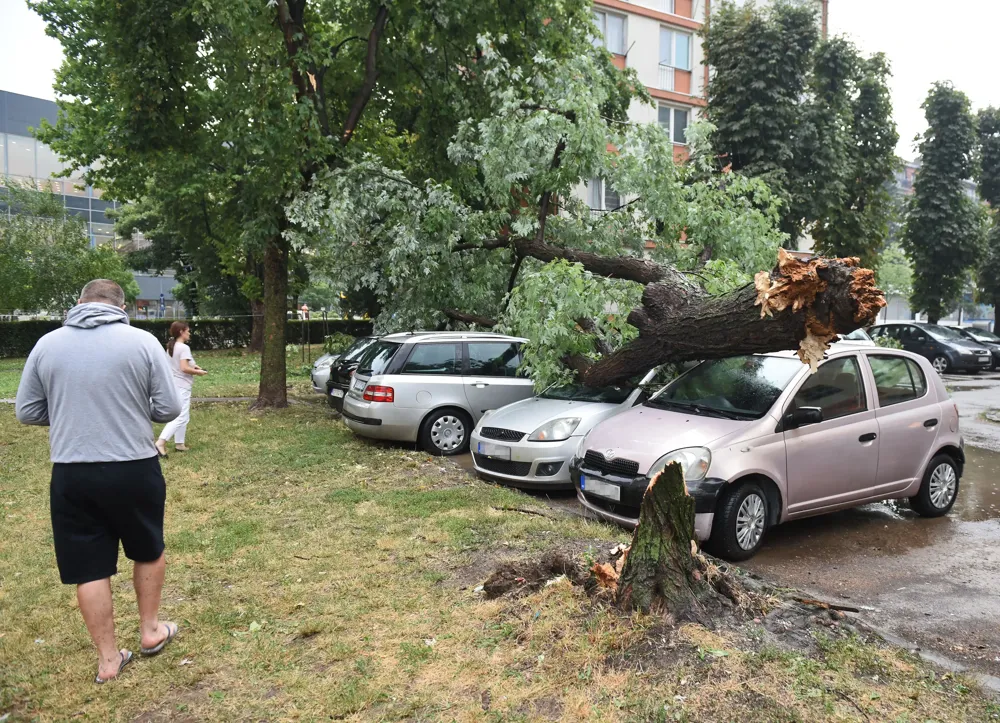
(126, 659)
(172, 630)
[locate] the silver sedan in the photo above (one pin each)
(530, 443)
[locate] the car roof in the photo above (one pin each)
(449, 336)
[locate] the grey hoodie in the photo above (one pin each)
(97, 382)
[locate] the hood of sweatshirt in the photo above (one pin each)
(94, 314)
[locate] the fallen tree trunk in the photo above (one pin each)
(800, 304)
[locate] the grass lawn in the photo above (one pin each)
(231, 373)
(317, 576)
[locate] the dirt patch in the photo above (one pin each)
(526, 576)
(793, 625)
(175, 710)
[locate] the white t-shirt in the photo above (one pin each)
(181, 351)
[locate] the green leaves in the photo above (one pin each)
(812, 117)
(46, 258)
(945, 228)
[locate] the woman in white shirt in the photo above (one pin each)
(185, 370)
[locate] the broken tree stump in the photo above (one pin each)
(660, 573)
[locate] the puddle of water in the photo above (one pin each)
(979, 493)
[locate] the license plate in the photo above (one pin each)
(601, 489)
(358, 385)
(336, 393)
(495, 451)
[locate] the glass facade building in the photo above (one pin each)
(25, 160)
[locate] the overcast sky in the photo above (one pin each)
(924, 41)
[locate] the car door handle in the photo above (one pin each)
(870, 437)
(481, 385)
(931, 423)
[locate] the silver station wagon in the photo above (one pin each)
(433, 387)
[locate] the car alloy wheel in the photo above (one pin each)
(944, 481)
(750, 521)
(447, 433)
(940, 364)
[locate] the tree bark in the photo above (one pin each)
(660, 573)
(803, 304)
(257, 325)
(273, 392)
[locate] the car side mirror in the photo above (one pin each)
(801, 417)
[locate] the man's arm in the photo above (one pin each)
(163, 403)
(32, 406)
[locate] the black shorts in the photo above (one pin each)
(96, 504)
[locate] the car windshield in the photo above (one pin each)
(375, 359)
(743, 387)
(580, 393)
(983, 335)
(942, 333)
(856, 335)
(358, 348)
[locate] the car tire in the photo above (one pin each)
(939, 488)
(941, 364)
(446, 432)
(730, 538)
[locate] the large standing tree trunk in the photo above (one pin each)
(257, 325)
(660, 573)
(272, 364)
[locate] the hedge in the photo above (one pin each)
(17, 338)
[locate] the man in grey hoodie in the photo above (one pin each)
(97, 383)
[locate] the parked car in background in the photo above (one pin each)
(858, 336)
(946, 349)
(530, 443)
(339, 376)
(981, 336)
(761, 441)
(432, 387)
(320, 373)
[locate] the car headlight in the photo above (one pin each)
(694, 462)
(558, 430)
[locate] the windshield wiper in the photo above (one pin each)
(697, 409)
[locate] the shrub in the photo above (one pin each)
(17, 338)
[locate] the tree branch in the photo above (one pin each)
(371, 75)
(489, 245)
(590, 327)
(456, 315)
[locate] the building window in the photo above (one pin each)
(675, 49)
(675, 122)
(21, 156)
(601, 195)
(612, 31)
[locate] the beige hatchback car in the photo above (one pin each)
(761, 440)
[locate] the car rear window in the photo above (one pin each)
(355, 350)
(897, 379)
(377, 357)
(434, 359)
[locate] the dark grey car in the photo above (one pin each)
(947, 350)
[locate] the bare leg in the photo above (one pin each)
(98, 613)
(147, 577)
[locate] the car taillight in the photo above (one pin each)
(375, 393)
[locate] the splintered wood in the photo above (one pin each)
(797, 284)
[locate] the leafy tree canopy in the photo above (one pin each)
(945, 228)
(989, 190)
(46, 257)
(812, 117)
(497, 254)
